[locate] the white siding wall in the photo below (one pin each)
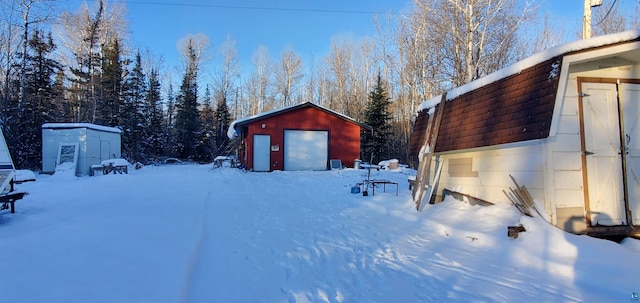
(88, 147)
(525, 162)
(551, 169)
(565, 185)
(51, 139)
(92, 153)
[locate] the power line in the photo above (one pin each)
(607, 14)
(264, 8)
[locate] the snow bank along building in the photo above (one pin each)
(300, 137)
(564, 123)
(86, 144)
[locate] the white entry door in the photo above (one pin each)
(306, 150)
(261, 152)
(630, 104)
(603, 154)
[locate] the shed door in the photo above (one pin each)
(105, 150)
(306, 150)
(630, 104)
(603, 154)
(261, 152)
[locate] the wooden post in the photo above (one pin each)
(425, 161)
(421, 163)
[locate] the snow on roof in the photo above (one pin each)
(430, 104)
(531, 61)
(232, 133)
(81, 125)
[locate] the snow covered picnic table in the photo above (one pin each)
(10, 199)
(221, 161)
(117, 166)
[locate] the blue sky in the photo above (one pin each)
(307, 27)
(567, 15)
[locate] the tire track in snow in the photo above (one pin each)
(191, 272)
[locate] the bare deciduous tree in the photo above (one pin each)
(473, 37)
(607, 19)
(635, 20)
(9, 45)
(325, 88)
(310, 93)
(364, 73)
(339, 63)
(84, 34)
(288, 76)
(84, 31)
(31, 14)
(18, 16)
(260, 82)
(226, 79)
(402, 109)
(546, 38)
(194, 49)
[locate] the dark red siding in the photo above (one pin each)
(513, 109)
(344, 135)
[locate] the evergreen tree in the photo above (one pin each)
(376, 143)
(206, 146)
(62, 106)
(133, 120)
(154, 142)
(187, 125)
(110, 95)
(169, 129)
(79, 94)
(38, 106)
(222, 120)
(85, 85)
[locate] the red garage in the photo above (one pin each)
(300, 137)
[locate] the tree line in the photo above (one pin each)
(79, 67)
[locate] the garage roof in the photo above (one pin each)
(232, 132)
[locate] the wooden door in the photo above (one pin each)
(630, 111)
(602, 150)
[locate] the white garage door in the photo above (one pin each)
(306, 150)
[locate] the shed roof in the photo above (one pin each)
(511, 105)
(81, 125)
(517, 67)
(232, 132)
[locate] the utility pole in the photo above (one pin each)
(586, 21)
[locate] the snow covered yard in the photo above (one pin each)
(187, 233)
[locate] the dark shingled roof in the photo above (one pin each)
(513, 109)
(512, 105)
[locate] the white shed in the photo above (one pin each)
(83, 143)
(564, 122)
